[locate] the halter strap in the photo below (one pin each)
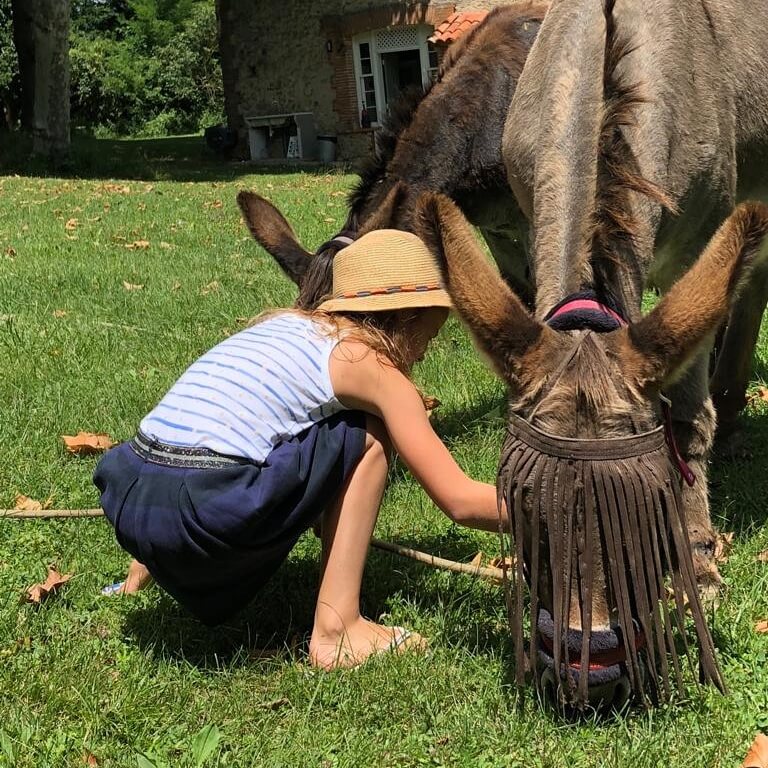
(593, 449)
(338, 241)
(575, 308)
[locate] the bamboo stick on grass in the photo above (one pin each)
(496, 575)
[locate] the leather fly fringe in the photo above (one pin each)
(622, 495)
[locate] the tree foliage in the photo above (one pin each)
(138, 67)
(145, 67)
(9, 69)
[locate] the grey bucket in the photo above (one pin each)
(326, 148)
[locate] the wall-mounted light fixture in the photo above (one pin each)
(329, 46)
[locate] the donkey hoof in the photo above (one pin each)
(709, 594)
(708, 578)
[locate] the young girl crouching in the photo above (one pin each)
(291, 419)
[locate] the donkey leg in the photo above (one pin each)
(694, 428)
(734, 361)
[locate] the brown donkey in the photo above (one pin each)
(447, 140)
(634, 129)
(588, 474)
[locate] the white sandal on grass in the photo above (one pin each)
(113, 589)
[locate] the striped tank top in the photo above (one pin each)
(256, 389)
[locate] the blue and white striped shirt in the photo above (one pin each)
(251, 392)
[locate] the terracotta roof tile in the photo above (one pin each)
(456, 25)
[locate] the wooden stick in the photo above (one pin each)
(495, 575)
(44, 514)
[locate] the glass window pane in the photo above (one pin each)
(373, 114)
(365, 51)
(370, 100)
(365, 64)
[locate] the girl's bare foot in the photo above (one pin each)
(137, 578)
(348, 646)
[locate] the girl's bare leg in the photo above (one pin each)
(341, 637)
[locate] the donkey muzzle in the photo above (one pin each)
(608, 684)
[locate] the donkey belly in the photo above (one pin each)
(753, 172)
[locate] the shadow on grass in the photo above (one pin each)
(739, 484)
(278, 622)
(175, 158)
(488, 410)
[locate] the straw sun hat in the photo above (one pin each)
(384, 270)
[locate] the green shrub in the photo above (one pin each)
(155, 73)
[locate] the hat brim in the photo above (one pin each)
(388, 302)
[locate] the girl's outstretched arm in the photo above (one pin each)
(362, 381)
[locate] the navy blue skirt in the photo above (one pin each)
(211, 537)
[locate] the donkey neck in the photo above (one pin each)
(452, 141)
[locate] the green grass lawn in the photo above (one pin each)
(137, 682)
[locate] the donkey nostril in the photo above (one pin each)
(621, 693)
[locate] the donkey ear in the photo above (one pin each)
(386, 214)
(270, 229)
(502, 326)
(659, 345)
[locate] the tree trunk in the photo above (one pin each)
(23, 38)
(225, 10)
(50, 128)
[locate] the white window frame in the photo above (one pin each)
(423, 31)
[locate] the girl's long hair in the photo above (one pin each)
(388, 334)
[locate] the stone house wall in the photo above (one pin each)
(298, 57)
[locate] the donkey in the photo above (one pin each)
(634, 129)
(596, 509)
(447, 140)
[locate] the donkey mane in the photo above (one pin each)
(402, 111)
(373, 169)
(457, 49)
(618, 172)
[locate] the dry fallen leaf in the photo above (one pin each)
(763, 556)
(59, 313)
(10, 252)
(90, 760)
(761, 393)
(26, 504)
(118, 189)
(670, 595)
(761, 627)
(84, 443)
(71, 225)
(140, 244)
(132, 286)
(210, 288)
(500, 562)
(477, 560)
(723, 546)
(39, 592)
(757, 757)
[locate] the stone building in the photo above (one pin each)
(298, 71)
